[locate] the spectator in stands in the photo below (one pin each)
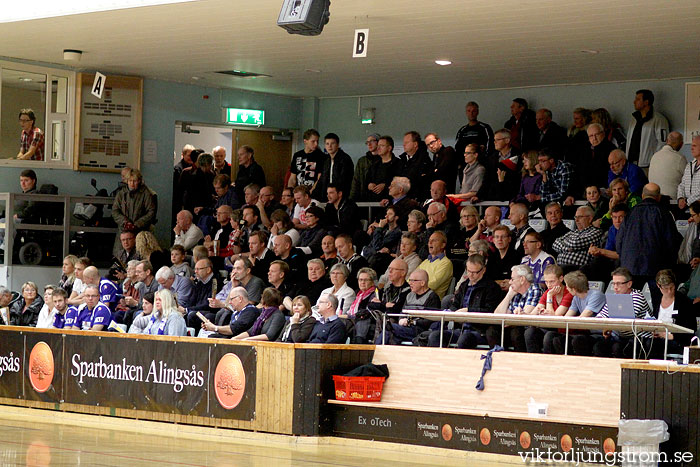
(593, 165)
(477, 294)
(552, 137)
(249, 171)
(301, 324)
(438, 221)
(416, 165)
(68, 273)
(586, 303)
(287, 201)
(60, 307)
(437, 265)
(303, 202)
(242, 318)
(384, 170)
(648, 240)
(620, 168)
(348, 257)
(269, 324)
(689, 252)
(76, 296)
(123, 310)
(329, 329)
(605, 258)
(468, 225)
(668, 165)
(108, 289)
(142, 318)
(518, 217)
(502, 177)
(555, 227)
(186, 233)
(504, 257)
(421, 298)
(557, 180)
(398, 198)
(393, 295)
(535, 257)
(407, 253)
(127, 252)
(385, 237)
(146, 281)
(220, 164)
(307, 163)
(596, 201)
(522, 297)
(314, 232)
(31, 138)
(267, 205)
(205, 286)
(578, 138)
(492, 218)
(317, 280)
(241, 276)
(572, 248)
(282, 225)
(473, 174)
(445, 161)
(184, 163)
(346, 296)
(523, 129)
(415, 224)
(179, 265)
(258, 254)
(294, 257)
(181, 287)
(93, 316)
(438, 194)
(689, 189)
(341, 214)
(224, 195)
(366, 290)
(531, 180)
(555, 301)
(249, 223)
(134, 209)
(620, 194)
(277, 278)
(338, 168)
(359, 190)
(47, 313)
(330, 254)
(475, 132)
(674, 307)
(198, 183)
(217, 244)
(251, 194)
(5, 304)
(613, 132)
(166, 320)
(647, 131)
(25, 211)
(148, 248)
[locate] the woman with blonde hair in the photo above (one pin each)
(68, 273)
(300, 325)
(25, 311)
(531, 182)
(165, 319)
(148, 248)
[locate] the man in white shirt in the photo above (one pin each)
(186, 233)
(667, 165)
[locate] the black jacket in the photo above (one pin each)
(343, 171)
(344, 219)
(419, 170)
(30, 315)
(484, 298)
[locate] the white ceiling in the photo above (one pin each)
(492, 44)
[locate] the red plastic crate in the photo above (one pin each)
(358, 388)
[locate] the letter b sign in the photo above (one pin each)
(360, 44)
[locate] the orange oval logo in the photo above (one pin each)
(41, 367)
(485, 436)
(525, 440)
(566, 443)
(609, 446)
(446, 432)
(229, 381)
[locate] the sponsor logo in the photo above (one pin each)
(446, 432)
(485, 436)
(525, 440)
(229, 381)
(566, 443)
(41, 367)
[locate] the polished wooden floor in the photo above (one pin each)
(30, 437)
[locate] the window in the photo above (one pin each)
(50, 94)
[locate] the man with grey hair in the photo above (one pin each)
(522, 297)
(667, 165)
(621, 168)
(181, 287)
(243, 315)
(572, 248)
(551, 136)
(186, 233)
(220, 164)
(249, 171)
(689, 189)
(329, 329)
(592, 162)
(502, 177)
(398, 191)
(420, 297)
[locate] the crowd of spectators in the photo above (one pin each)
(305, 268)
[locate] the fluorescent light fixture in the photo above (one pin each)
(443, 62)
(18, 11)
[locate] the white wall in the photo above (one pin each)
(208, 138)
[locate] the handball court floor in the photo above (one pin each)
(33, 437)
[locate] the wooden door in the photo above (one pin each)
(273, 156)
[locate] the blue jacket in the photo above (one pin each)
(634, 176)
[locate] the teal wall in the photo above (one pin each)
(444, 112)
(164, 103)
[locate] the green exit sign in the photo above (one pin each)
(245, 116)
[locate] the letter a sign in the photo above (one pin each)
(98, 85)
(360, 45)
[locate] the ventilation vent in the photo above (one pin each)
(242, 74)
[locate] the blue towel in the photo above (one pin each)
(487, 365)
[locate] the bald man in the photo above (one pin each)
(620, 167)
(667, 165)
(648, 240)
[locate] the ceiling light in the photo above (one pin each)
(72, 55)
(443, 62)
(18, 11)
(590, 51)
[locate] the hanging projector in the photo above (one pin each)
(305, 17)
